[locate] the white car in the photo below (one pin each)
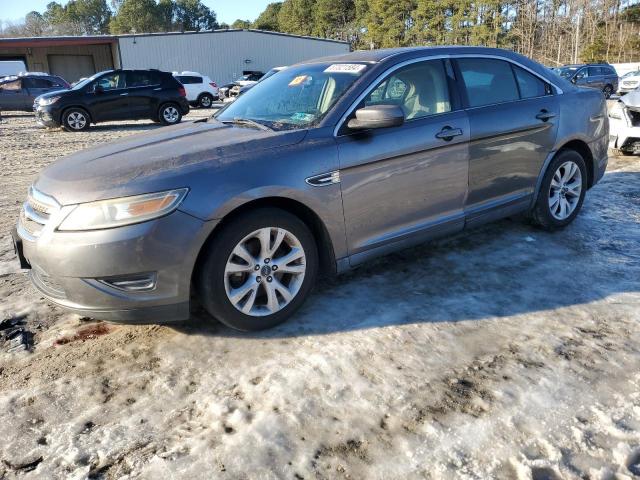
(624, 124)
(201, 90)
(629, 82)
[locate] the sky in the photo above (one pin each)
(228, 12)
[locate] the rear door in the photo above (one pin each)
(36, 86)
(12, 96)
(143, 87)
(404, 184)
(192, 85)
(513, 118)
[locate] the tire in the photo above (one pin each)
(552, 217)
(205, 100)
(607, 91)
(75, 120)
(215, 284)
(169, 114)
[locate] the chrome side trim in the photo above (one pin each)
(392, 69)
(324, 179)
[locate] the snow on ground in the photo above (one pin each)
(501, 353)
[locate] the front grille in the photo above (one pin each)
(36, 212)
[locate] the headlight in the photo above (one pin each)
(48, 101)
(616, 112)
(122, 211)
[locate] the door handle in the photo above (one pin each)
(447, 133)
(544, 115)
(124, 94)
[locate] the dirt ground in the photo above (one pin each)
(502, 353)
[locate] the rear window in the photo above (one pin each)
(188, 79)
(488, 81)
(530, 85)
(595, 71)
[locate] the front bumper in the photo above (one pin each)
(624, 137)
(74, 269)
(46, 116)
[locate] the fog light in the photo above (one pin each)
(139, 282)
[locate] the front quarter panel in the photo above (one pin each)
(274, 173)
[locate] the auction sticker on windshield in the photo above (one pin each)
(345, 68)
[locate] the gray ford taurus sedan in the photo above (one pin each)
(315, 170)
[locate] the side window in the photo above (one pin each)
(488, 81)
(595, 71)
(112, 81)
(530, 85)
(420, 89)
(37, 83)
(14, 86)
(142, 79)
(582, 74)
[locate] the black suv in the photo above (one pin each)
(114, 95)
(596, 75)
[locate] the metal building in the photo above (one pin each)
(223, 55)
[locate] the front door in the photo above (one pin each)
(404, 184)
(513, 119)
(107, 97)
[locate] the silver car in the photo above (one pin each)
(315, 170)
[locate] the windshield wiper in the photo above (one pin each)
(248, 121)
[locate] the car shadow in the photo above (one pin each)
(504, 269)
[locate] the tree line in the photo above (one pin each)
(552, 31)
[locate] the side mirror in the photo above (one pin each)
(574, 80)
(98, 89)
(377, 116)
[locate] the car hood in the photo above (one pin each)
(162, 159)
(53, 93)
(632, 100)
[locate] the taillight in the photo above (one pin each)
(182, 91)
(213, 84)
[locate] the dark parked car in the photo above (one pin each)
(595, 75)
(114, 95)
(317, 169)
(19, 92)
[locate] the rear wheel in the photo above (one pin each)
(607, 91)
(169, 114)
(562, 191)
(75, 120)
(258, 270)
(205, 100)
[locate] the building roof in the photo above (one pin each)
(102, 39)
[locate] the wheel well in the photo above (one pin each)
(585, 152)
(304, 213)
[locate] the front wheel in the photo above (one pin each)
(258, 270)
(562, 191)
(169, 114)
(75, 120)
(607, 91)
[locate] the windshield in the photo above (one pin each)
(631, 74)
(298, 97)
(86, 81)
(567, 72)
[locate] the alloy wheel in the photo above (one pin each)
(76, 120)
(565, 190)
(265, 271)
(205, 101)
(170, 114)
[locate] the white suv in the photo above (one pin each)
(201, 90)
